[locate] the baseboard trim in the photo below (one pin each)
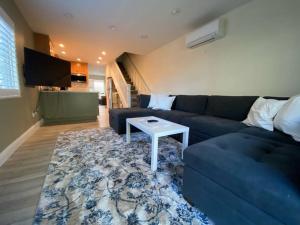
(9, 150)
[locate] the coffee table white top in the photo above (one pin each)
(159, 129)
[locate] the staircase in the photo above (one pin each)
(134, 93)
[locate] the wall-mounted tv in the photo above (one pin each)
(44, 70)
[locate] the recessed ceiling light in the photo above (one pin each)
(144, 36)
(100, 58)
(98, 62)
(78, 59)
(112, 27)
(63, 52)
(103, 53)
(61, 45)
(175, 11)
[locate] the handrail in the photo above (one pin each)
(135, 76)
(123, 89)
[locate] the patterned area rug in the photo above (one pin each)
(96, 178)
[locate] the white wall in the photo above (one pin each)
(97, 70)
(16, 113)
(260, 55)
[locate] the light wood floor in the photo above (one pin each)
(22, 176)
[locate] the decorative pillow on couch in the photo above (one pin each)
(263, 112)
(288, 118)
(161, 101)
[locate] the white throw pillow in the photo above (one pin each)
(161, 101)
(154, 99)
(165, 103)
(288, 118)
(263, 112)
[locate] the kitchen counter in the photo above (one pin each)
(77, 91)
(68, 106)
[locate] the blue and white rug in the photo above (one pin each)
(96, 178)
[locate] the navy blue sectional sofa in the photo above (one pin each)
(236, 174)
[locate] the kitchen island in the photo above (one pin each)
(68, 106)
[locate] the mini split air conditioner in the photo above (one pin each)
(205, 34)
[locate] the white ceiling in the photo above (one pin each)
(83, 26)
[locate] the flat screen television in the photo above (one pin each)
(44, 70)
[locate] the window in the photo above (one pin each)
(97, 85)
(9, 81)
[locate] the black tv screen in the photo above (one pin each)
(44, 70)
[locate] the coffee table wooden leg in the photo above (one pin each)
(185, 142)
(127, 132)
(154, 146)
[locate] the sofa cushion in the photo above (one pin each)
(221, 205)
(263, 172)
(173, 115)
(276, 98)
(206, 127)
(143, 101)
(117, 117)
(275, 135)
(230, 107)
(191, 103)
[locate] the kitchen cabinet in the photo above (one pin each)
(79, 68)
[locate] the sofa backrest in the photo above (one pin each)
(191, 103)
(185, 103)
(230, 107)
(143, 101)
(276, 98)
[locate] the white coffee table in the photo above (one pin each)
(155, 130)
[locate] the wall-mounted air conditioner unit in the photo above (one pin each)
(205, 34)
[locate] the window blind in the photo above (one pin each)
(9, 81)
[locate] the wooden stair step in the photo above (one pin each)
(134, 93)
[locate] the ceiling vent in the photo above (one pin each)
(206, 34)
